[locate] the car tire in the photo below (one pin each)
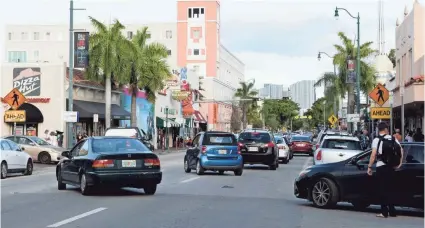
(84, 188)
(238, 172)
(186, 166)
(272, 167)
(3, 170)
(324, 193)
(61, 185)
(44, 157)
(199, 169)
(29, 169)
(150, 189)
(360, 205)
(221, 172)
(277, 163)
(285, 161)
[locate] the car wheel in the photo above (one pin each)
(285, 160)
(221, 172)
(277, 163)
(199, 169)
(85, 189)
(238, 172)
(272, 167)
(360, 205)
(150, 189)
(324, 193)
(3, 170)
(44, 158)
(29, 169)
(186, 166)
(292, 156)
(61, 186)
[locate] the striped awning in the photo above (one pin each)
(161, 122)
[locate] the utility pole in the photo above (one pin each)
(70, 140)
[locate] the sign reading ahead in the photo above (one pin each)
(332, 119)
(15, 99)
(380, 94)
(13, 116)
(380, 113)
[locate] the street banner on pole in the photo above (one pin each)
(81, 49)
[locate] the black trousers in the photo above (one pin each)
(385, 177)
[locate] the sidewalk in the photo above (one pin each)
(170, 150)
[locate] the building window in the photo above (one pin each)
(169, 52)
(17, 56)
(195, 51)
(189, 13)
(168, 34)
(129, 35)
(195, 12)
(47, 35)
(36, 55)
(10, 36)
(196, 34)
(24, 36)
(36, 36)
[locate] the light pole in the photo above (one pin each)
(324, 115)
(70, 141)
(358, 57)
(166, 128)
(319, 57)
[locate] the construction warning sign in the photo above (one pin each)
(380, 113)
(380, 94)
(15, 99)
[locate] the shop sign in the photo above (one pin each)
(15, 116)
(32, 100)
(380, 113)
(70, 117)
(27, 80)
(179, 95)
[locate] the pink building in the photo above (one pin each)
(410, 49)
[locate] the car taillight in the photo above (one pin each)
(270, 144)
(152, 162)
(103, 164)
(319, 155)
(240, 145)
(204, 149)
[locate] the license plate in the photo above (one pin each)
(253, 149)
(222, 151)
(129, 163)
(301, 144)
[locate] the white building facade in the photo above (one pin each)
(303, 93)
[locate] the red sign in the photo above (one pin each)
(350, 65)
(33, 100)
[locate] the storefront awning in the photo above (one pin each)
(198, 117)
(33, 114)
(160, 122)
(87, 109)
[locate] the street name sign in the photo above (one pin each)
(380, 113)
(380, 94)
(353, 118)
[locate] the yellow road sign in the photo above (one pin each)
(380, 94)
(15, 116)
(380, 113)
(15, 98)
(332, 119)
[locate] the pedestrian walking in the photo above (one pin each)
(409, 137)
(364, 140)
(389, 155)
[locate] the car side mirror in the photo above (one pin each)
(66, 154)
(32, 144)
(353, 161)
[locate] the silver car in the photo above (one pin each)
(335, 148)
(284, 154)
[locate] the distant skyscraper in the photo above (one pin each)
(272, 91)
(303, 93)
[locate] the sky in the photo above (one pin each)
(278, 40)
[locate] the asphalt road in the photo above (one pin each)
(259, 198)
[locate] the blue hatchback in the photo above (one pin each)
(215, 151)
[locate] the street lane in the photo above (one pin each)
(259, 198)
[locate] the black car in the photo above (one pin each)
(259, 147)
(347, 181)
(131, 132)
(110, 162)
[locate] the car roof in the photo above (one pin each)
(256, 130)
(344, 137)
(111, 137)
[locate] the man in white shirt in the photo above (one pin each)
(384, 172)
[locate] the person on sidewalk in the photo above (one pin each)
(397, 135)
(389, 154)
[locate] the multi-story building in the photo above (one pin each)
(410, 62)
(303, 93)
(271, 91)
(286, 92)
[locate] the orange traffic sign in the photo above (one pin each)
(15, 99)
(380, 94)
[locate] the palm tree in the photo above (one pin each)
(246, 91)
(149, 69)
(345, 51)
(108, 50)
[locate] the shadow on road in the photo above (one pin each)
(111, 192)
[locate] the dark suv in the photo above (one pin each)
(259, 147)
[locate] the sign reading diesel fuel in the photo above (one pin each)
(380, 113)
(15, 116)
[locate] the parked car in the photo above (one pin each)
(322, 135)
(110, 162)
(133, 132)
(215, 151)
(347, 181)
(284, 153)
(14, 159)
(39, 149)
(259, 147)
(335, 148)
(301, 144)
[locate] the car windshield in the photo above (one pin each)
(39, 141)
(342, 144)
(220, 139)
(300, 139)
(118, 145)
(413, 153)
(248, 137)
